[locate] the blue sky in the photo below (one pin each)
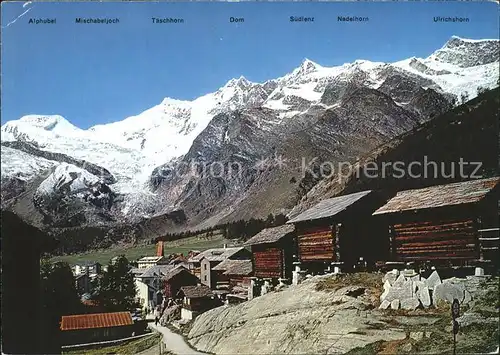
(93, 74)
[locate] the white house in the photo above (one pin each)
(89, 267)
(149, 261)
(149, 285)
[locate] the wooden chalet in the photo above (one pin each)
(272, 251)
(455, 222)
(232, 273)
(196, 299)
(175, 279)
(340, 231)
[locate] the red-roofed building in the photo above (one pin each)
(89, 328)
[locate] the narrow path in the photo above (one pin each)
(154, 350)
(174, 342)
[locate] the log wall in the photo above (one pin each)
(431, 240)
(268, 261)
(316, 244)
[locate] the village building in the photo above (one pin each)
(233, 276)
(148, 261)
(89, 267)
(179, 260)
(455, 223)
(22, 246)
(207, 260)
(158, 259)
(82, 283)
(272, 252)
(175, 279)
(341, 233)
(90, 328)
(85, 274)
(196, 300)
(149, 285)
(192, 265)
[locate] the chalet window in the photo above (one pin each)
(205, 266)
(205, 277)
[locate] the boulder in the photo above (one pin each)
(459, 283)
(408, 273)
(395, 304)
(415, 278)
(407, 348)
(391, 276)
(403, 292)
(417, 336)
(467, 297)
(399, 281)
(448, 292)
(170, 314)
(420, 284)
(384, 305)
(384, 295)
(387, 285)
(424, 296)
(410, 284)
(433, 280)
(410, 304)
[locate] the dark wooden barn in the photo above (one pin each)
(272, 252)
(231, 273)
(341, 230)
(196, 300)
(175, 279)
(91, 328)
(444, 223)
(22, 245)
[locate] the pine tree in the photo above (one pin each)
(59, 297)
(115, 288)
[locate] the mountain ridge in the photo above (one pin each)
(332, 113)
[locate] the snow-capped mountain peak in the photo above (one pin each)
(131, 148)
(467, 52)
(240, 82)
(39, 128)
(168, 101)
(306, 67)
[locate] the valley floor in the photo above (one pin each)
(136, 252)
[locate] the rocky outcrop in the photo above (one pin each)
(170, 314)
(297, 319)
